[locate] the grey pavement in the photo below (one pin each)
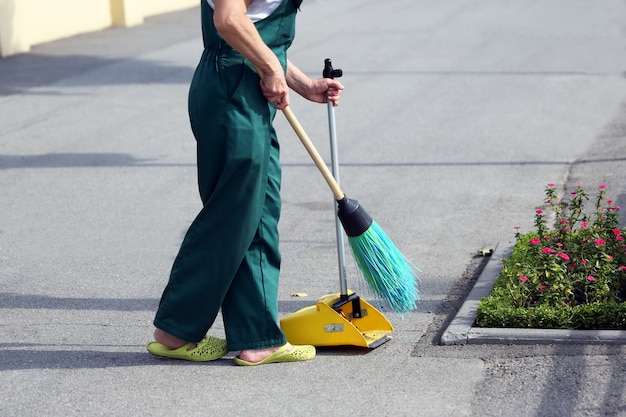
(455, 116)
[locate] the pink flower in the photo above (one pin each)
(523, 278)
(548, 250)
(623, 268)
(599, 242)
(543, 288)
(563, 256)
(563, 221)
(539, 211)
(583, 261)
(617, 232)
(547, 237)
(516, 227)
(584, 225)
(591, 278)
(560, 245)
(534, 241)
(619, 238)
(609, 202)
(602, 186)
(551, 185)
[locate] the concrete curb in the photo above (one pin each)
(460, 331)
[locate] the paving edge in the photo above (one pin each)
(461, 331)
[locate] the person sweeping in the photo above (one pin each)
(229, 258)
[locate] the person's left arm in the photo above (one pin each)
(320, 90)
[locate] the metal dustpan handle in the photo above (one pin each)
(329, 72)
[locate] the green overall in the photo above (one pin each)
(229, 258)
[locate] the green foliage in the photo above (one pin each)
(570, 276)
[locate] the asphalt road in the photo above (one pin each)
(455, 116)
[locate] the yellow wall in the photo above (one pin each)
(9, 41)
(24, 23)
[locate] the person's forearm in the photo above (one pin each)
(297, 80)
(240, 33)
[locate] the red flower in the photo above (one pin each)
(539, 211)
(563, 256)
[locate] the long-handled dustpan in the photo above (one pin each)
(341, 318)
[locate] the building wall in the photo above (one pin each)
(24, 23)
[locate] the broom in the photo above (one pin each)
(388, 274)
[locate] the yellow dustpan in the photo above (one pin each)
(332, 321)
(342, 318)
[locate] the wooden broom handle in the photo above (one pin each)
(310, 148)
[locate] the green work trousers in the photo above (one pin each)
(229, 258)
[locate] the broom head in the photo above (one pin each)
(388, 274)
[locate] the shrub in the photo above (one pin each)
(571, 275)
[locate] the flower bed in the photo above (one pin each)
(568, 276)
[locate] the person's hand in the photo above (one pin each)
(324, 90)
(275, 89)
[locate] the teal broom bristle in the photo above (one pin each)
(388, 274)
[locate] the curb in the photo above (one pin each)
(460, 331)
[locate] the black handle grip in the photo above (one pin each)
(329, 72)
